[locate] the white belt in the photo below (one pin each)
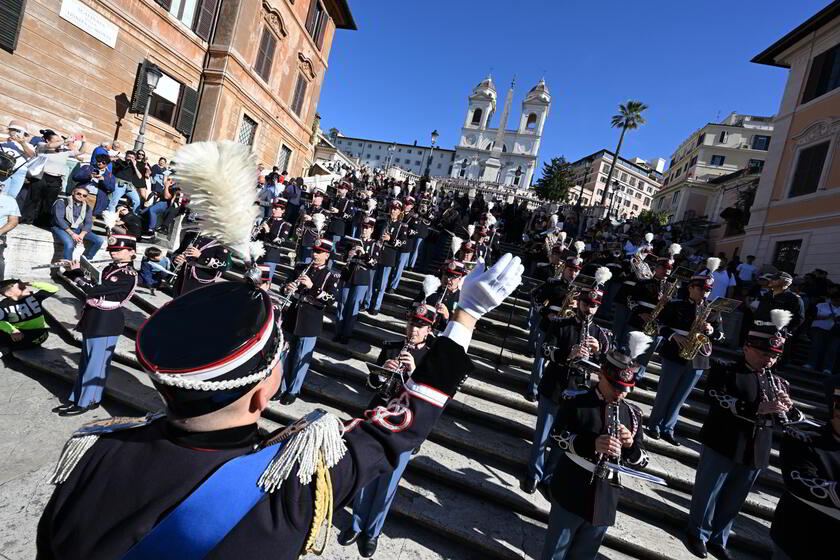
(629, 283)
(646, 304)
(581, 462)
(104, 304)
(680, 331)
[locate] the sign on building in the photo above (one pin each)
(92, 23)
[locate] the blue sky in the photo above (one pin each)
(411, 65)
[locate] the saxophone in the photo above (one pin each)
(568, 307)
(602, 470)
(697, 339)
(651, 326)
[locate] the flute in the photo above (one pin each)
(59, 264)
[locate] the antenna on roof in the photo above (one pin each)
(717, 118)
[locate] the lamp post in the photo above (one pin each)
(435, 136)
(579, 203)
(153, 75)
(612, 200)
(391, 149)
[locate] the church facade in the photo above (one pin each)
(501, 155)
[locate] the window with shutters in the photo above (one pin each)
(247, 131)
(171, 101)
(760, 142)
(195, 14)
(809, 169)
(299, 96)
(316, 22)
(284, 159)
(11, 17)
(786, 255)
(824, 75)
(265, 54)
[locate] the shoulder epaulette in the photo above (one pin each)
(569, 394)
(83, 439)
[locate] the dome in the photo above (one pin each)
(486, 83)
(485, 88)
(539, 92)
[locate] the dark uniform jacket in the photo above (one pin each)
(784, 300)
(642, 299)
(628, 282)
(444, 296)
(580, 420)
(551, 293)
(306, 315)
(341, 220)
(807, 518)
(309, 236)
(411, 225)
(203, 269)
(558, 376)
(360, 269)
(399, 239)
(129, 480)
(392, 349)
(732, 427)
(677, 318)
(278, 231)
(103, 315)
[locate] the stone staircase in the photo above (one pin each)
(463, 485)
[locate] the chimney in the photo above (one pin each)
(415, 142)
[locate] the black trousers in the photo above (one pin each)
(42, 195)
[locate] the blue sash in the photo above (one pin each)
(206, 516)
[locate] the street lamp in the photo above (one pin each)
(435, 136)
(391, 149)
(614, 191)
(579, 204)
(153, 75)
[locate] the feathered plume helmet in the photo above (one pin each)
(770, 335)
(675, 249)
(562, 237)
(552, 221)
(430, 285)
(371, 205)
(579, 246)
(668, 262)
(602, 275)
(491, 220)
(712, 264)
(575, 262)
(620, 366)
(456, 244)
(471, 230)
(110, 219)
(215, 362)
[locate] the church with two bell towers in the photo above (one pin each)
(501, 155)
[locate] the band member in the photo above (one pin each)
(419, 230)
(313, 289)
(22, 322)
(200, 260)
(591, 428)
(404, 250)
(273, 232)
(372, 503)
(444, 300)
(644, 298)
(102, 322)
(746, 402)
(341, 213)
(310, 226)
(205, 462)
(393, 233)
(680, 375)
(356, 280)
(551, 270)
(573, 354)
(636, 270)
(810, 506)
(550, 294)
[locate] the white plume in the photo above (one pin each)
(712, 264)
(110, 218)
(471, 230)
(430, 285)
(491, 220)
(552, 221)
(563, 237)
(674, 249)
(215, 176)
(490, 205)
(371, 204)
(602, 275)
(648, 237)
(318, 220)
(637, 343)
(780, 317)
(397, 190)
(456, 244)
(256, 249)
(579, 247)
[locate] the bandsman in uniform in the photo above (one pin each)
(356, 280)
(341, 213)
(551, 294)
(445, 300)
(313, 289)
(22, 322)
(199, 261)
(591, 428)
(746, 402)
(807, 518)
(632, 275)
(409, 227)
(551, 270)
(205, 464)
(273, 232)
(644, 298)
(572, 356)
(310, 226)
(372, 503)
(420, 221)
(679, 376)
(102, 322)
(393, 233)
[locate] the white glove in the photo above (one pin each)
(483, 290)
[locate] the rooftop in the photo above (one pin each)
(769, 55)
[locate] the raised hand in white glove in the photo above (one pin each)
(483, 290)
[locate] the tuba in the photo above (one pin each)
(640, 268)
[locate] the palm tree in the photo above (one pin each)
(629, 117)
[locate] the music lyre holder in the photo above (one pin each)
(528, 284)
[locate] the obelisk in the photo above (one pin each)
(494, 163)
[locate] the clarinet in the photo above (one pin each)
(602, 470)
(389, 386)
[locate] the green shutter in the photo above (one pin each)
(140, 93)
(11, 17)
(186, 114)
(204, 18)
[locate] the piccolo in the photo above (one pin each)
(59, 264)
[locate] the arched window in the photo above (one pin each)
(532, 121)
(504, 147)
(476, 116)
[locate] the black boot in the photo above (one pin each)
(348, 537)
(695, 545)
(367, 546)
